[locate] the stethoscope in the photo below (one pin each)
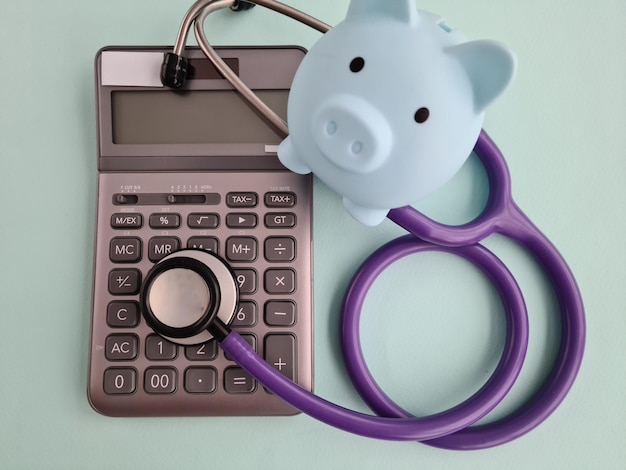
(190, 296)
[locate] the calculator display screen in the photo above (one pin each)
(164, 117)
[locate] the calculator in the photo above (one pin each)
(197, 169)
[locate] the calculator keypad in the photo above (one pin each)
(263, 233)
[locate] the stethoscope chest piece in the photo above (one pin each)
(186, 294)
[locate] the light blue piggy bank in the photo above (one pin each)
(387, 106)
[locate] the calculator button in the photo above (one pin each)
(203, 243)
(241, 249)
(126, 221)
(242, 199)
(164, 221)
(123, 314)
(241, 220)
(237, 380)
(280, 352)
(280, 281)
(120, 381)
(283, 199)
(203, 220)
(280, 249)
(200, 380)
(280, 313)
(160, 247)
(250, 339)
(159, 349)
(246, 280)
(280, 220)
(160, 380)
(245, 314)
(121, 347)
(202, 352)
(124, 281)
(125, 250)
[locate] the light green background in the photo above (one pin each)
(432, 327)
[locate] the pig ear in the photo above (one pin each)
(490, 67)
(402, 10)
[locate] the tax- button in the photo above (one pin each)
(242, 199)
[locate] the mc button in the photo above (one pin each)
(125, 250)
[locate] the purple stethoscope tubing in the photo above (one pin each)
(450, 429)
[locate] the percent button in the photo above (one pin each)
(165, 221)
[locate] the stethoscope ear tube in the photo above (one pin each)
(449, 429)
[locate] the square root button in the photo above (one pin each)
(280, 281)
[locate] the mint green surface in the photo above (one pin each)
(432, 329)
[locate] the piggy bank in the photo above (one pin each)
(386, 107)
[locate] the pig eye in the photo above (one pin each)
(357, 64)
(421, 115)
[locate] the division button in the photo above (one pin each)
(280, 249)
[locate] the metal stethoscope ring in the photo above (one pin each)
(449, 429)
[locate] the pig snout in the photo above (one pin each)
(352, 133)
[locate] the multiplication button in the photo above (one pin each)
(280, 281)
